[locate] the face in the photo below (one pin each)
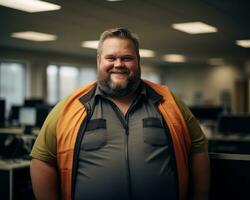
(118, 67)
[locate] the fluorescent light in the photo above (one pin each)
(93, 44)
(216, 61)
(146, 53)
(194, 27)
(34, 36)
(174, 58)
(30, 6)
(243, 43)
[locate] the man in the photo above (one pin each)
(120, 138)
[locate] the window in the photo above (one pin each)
(62, 80)
(87, 75)
(67, 80)
(12, 83)
(52, 82)
(151, 76)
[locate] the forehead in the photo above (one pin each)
(118, 45)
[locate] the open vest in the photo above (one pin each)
(74, 113)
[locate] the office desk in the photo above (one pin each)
(11, 130)
(15, 181)
(234, 144)
(230, 177)
(15, 144)
(17, 130)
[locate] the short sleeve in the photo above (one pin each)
(44, 148)
(199, 141)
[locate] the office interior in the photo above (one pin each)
(209, 71)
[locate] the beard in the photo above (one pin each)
(121, 89)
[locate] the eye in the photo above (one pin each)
(110, 59)
(128, 58)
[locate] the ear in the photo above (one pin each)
(98, 57)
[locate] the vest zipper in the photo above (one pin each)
(124, 121)
(127, 163)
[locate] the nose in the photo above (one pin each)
(118, 63)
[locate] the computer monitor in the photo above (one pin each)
(206, 112)
(2, 112)
(33, 102)
(234, 123)
(42, 113)
(13, 117)
(27, 118)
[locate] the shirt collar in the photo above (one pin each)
(145, 91)
(152, 94)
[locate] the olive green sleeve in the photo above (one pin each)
(44, 148)
(199, 141)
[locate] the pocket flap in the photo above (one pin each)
(153, 132)
(152, 122)
(95, 135)
(96, 124)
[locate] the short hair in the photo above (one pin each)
(122, 33)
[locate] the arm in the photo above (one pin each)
(200, 175)
(45, 180)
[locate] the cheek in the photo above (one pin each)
(105, 66)
(133, 67)
(103, 69)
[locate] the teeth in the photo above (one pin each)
(119, 72)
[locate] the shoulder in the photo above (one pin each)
(44, 148)
(199, 141)
(187, 114)
(166, 93)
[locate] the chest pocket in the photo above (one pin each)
(153, 132)
(95, 135)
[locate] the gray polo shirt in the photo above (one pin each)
(126, 157)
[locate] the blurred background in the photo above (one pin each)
(200, 49)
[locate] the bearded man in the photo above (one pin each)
(120, 137)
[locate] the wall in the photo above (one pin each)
(247, 69)
(210, 81)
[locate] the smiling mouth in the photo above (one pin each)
(118, 75)
(122, 73)
(119, 71)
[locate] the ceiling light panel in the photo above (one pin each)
(30, 6)
(216, 61)
(174, 58)
(34, 36)
(92, 44)
(194, 27)
(146, 53)
(243, 43)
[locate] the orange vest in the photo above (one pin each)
(74, 113)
